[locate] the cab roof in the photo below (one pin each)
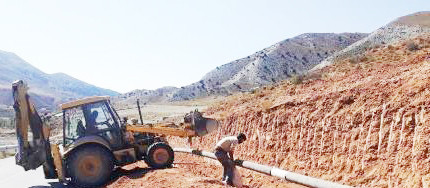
(83, 101)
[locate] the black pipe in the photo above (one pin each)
(140, 113)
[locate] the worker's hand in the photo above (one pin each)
(238, 162)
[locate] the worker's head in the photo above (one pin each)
(241, 137)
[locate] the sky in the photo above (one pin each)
(136, 44)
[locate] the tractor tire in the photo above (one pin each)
(160, 155)
(90, 166)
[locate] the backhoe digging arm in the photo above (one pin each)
(34, 152)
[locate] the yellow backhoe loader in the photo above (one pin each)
(95, 139)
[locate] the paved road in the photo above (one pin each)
(12, 175)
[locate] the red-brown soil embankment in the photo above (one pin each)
(363, 121)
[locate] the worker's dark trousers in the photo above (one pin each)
(228, 165)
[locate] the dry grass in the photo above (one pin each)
(6, 154)
(420, 19)
(358, 59)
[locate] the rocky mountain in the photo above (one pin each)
(145, 96)
(47, 90)
(278, 62)
(403, 28)
(292, 57)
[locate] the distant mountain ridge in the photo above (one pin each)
(277, 62)
(145, 96)
(47, 90)
(293, 56)
(403, 28)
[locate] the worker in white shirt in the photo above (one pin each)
(226, 146)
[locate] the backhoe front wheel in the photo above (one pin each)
(90, 166)
(159, 155)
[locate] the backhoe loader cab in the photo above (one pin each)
(91, 117)
(95, 141)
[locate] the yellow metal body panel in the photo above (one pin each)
(58, 162)
(86, 140)
(159, 129)
(23, 117)
(83, 101)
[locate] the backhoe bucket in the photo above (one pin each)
(200, 124)
(35, 152)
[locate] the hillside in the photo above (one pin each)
(48, 89)
(362, 123)
(270, 65)
(403, 28)
(280, 61)
(159, 95)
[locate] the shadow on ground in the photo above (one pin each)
(53, 185)
(134, 173)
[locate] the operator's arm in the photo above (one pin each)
(233, 145)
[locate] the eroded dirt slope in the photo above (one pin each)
(363, 121)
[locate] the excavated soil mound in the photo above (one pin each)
(188, 171)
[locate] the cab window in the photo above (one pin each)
(94, 119)
(74, 120)
(100, 122)
(98, 117)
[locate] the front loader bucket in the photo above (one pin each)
(200, 124)
(206, 126)
(35, 152)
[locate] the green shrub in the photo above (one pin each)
(411, 46)
(296, 79)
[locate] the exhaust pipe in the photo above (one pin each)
(140, 112)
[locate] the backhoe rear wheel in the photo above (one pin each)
(90, 166)
(160, 155)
